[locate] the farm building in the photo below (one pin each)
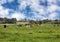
(27, 24)
(22, 23)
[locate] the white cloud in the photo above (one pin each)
(2, 1)
(5, 1)
(10, 0)
(22, 5)
(3, 12)
(50, 2)
(18, 15)
(52, 15)
(39, 11)
(52, 8)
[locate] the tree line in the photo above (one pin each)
(7, 21)
(14, 20)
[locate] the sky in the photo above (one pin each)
(30, 9)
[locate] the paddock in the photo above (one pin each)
(45, 33)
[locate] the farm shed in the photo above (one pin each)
(27, 24)
(22, 23)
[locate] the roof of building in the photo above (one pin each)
(22, 23)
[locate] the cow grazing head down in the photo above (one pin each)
(5, 26)
(20, 25)
(28, 25)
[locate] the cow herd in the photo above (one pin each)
(29, 25)
(20, 25)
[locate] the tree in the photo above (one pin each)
(56, 21)
(1, 20)
(8, 21)
(40, 22)
(14, 20)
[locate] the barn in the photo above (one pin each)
(27, 24)
(22, 23)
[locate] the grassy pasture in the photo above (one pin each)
(37, 33)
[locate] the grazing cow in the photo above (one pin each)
(4, 26)
(58, 25)
(19, 25)
(28, 25)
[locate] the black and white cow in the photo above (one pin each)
(20, 25)
(28, 25)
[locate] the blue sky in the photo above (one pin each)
(30, 9)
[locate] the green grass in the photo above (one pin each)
(45, 33)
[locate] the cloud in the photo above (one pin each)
(18, 15)
(10, 0)
(2, 1)
(5, 1)
(22, 5)
(38, 9)
(52, 16)
(3, 12)
(52, 8)
(50, 2)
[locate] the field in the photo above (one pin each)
(37, 33)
